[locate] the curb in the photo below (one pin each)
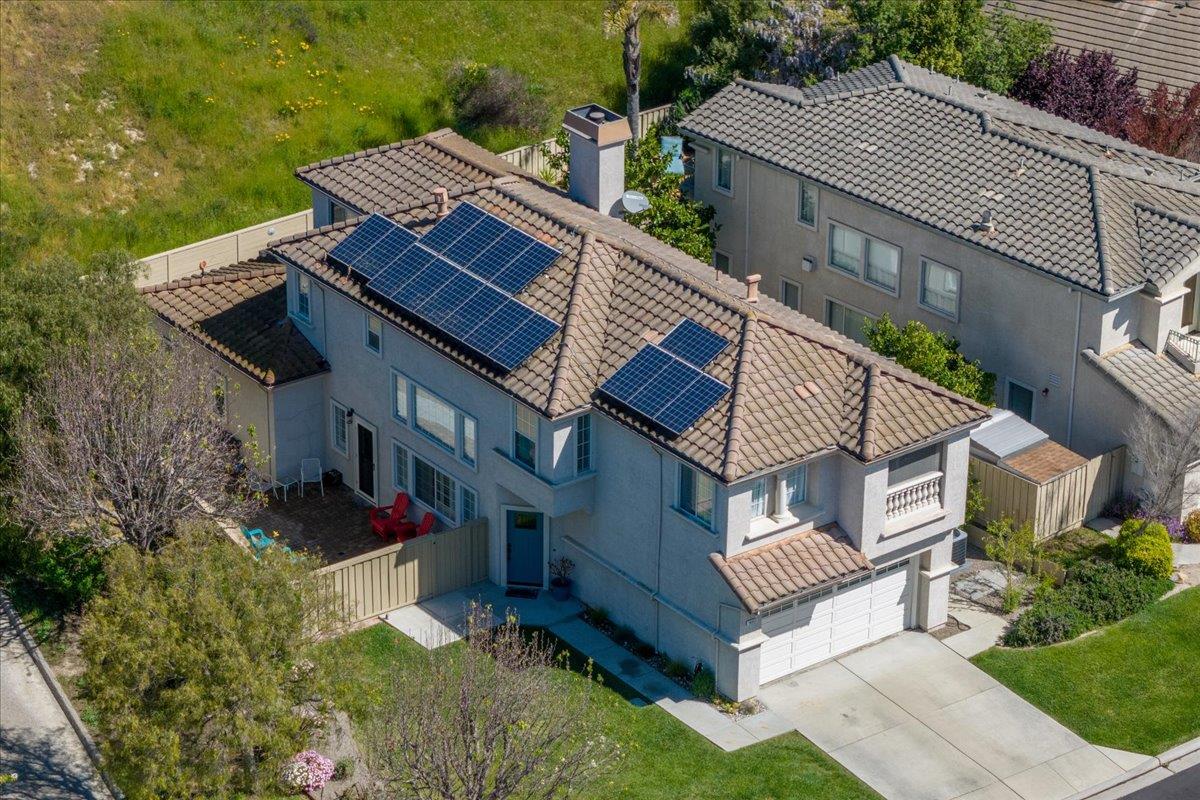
(60, 697)
(1162, 760)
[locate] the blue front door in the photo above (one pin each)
(523, 530)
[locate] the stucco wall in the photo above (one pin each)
(298, 426)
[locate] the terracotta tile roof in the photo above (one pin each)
(779, 570)
(1066, 200)
(240, 312)
(1044, 462)
(1154, 381)
(1150, 35)
(613, 285)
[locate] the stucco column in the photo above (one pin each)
(933, 585)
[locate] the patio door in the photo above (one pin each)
(365, 484)
(524, 537)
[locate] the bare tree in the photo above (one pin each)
(487, 722)
(1167, 451)
(624, 18)
(122, 440)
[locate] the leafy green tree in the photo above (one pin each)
(1009, 544)
(931, 354)
(672, 217)
(197, 660)
(954, 37)
(624, 18)
(724, 46)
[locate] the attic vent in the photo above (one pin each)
(807, 389)
(985, 225)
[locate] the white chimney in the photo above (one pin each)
(597, 170)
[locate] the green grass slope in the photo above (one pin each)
(147, 125)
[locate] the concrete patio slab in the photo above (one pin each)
(1002, 732)
(911, 761)
(1084, 767)
(900, 669)
(832, 706)
(422, 627)
(985, 629)
(1123, 758)
(1040, 783)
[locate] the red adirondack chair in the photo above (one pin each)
(410, 530)
(387, 520)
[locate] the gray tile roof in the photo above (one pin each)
(1154, 381)
(798, 388)
(1064, 198)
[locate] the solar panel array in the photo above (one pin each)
(664, 383)
(421, 276)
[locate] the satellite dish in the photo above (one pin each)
(633, 202)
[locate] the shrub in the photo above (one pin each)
(343, 769)
(704, 683)
(1123, 507)
(1106, 593)
(1010, 598)
(1145, 546)
(598, 616)
(65, 573)
(483, 95)
(676, 669)
(1052, 619)
(933, 355)
(1191, 527)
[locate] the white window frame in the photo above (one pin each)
(451, 447)
(368, 318)
(520, 410)
(859, 271)
(401, 415)
(785, 486)
(585, 444)
(440, 479)
(463, 491)
(784, 285)
(401, 455)
(465, 420)
(718, 152)
(760, 498)
(406, 416)
(800, 204)
(1008, 384)
(334, 408)
(834, 301)
(941, 312)
(697, 477)
(303, 292)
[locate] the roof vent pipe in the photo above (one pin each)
(443, 201)
(596, 174)
(985, 225)
(752, 288)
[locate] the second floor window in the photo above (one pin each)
(435, 418)
(790, 294)
(724, 170)
(373, 334)
(795, 485)
(806, 204)
(470, 441)
(847, 321)
(939, 288)
(525, 434)
(400, 397)
(697, 494)
(758, 499)
(583, 444)
(916, 464)
(303, 297)
(876, 262)
(338, 212)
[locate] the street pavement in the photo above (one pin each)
(1182, 786)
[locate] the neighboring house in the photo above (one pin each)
(1065, 260)
(807, 510)
(1161, 38)
(268, 381)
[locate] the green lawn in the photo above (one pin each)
(1134, 685)
(147, 125)
(661, 757)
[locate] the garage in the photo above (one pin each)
(836, 619)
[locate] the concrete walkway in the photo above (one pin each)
(913, 719)
(36, 741)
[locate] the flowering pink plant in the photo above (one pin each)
(308, 770)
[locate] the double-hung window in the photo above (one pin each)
(525, 435)
(470, 504)
(338, 422)
(470, 440)
(939, 288)
(400, 467)
(697, 495)
(794, 486)
(845, 249)
(790, 294)
(871, 260)
(583, 444)
(883, 265)
(759, 505)
(373, 334)
(303, 297)
(806, 204)
(435, 418)
(400, 397)
(847, 321)
(723, 177)
(435, 489)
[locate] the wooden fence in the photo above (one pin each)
(400, 575)
(533, 160)
(1065, 502)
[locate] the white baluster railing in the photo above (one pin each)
(914, 495)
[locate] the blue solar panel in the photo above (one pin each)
(371, 230)
(452, 226)
(533, 261)
(527, 337)
(694, 343)
(385, 250)
(490, 247)
(669, 392)
(395, 275)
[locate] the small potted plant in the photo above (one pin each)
(560, 577)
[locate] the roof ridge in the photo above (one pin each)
(766, 88)
(825, 530)
(1098, 222)
(1173, 216)
(224, 274)
(370, 151)
(870, 400)
(562, 363)
(470, 159)
(737, 403)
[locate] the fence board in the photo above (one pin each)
(1105, 480)
(402, 574)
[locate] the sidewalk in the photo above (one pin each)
(36, 740)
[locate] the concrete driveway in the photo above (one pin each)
(916, 721)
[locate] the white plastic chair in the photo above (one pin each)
(310, 472)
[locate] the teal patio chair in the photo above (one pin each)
(258, 540)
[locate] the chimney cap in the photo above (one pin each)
(593, 121)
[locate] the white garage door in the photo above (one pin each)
(835, 620)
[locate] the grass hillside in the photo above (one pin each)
(147, 125)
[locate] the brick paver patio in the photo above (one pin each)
(334, 526)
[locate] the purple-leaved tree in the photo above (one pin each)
(1089, 88)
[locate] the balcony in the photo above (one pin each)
(1185, 349)
(921, 494)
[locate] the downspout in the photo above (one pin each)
(658, 561)
(1074, 364)
(746, 254)
(270, 395)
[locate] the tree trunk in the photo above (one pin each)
(633, 76)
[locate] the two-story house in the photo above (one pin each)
(1064, 259)
(736, 482)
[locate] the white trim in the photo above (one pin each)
(301, 278)
(801, 183)
(407, 466)
(367, 317)
(537, 435)
(345, 428)
(716, 176)
(359, 422)
(924, 261)
(504, 509)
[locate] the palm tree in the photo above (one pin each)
(624, 17)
